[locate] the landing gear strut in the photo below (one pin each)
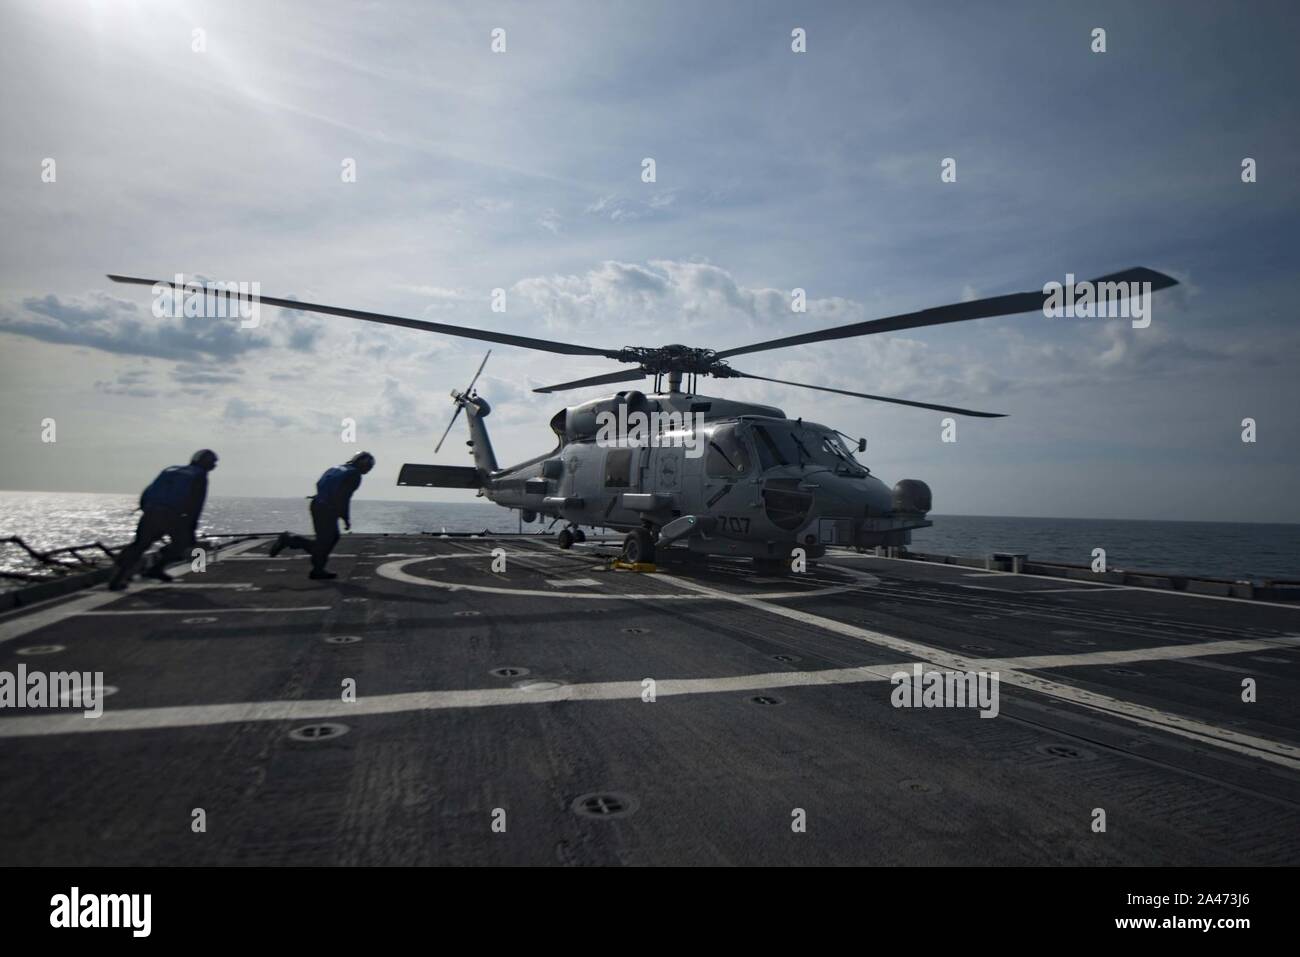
(569, 535)
(639, 547)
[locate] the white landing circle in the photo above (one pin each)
(397, 571)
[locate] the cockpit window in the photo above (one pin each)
(833, 444)
(769, 453)
(728, 454)
(784, 444)
(777, 445)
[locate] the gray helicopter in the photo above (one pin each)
(712, 475)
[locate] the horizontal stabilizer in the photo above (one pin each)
(441, 476)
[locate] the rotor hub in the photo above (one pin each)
(676, 358)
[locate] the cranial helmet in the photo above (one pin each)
(364, 462)
(204, 459)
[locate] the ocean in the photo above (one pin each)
(1215, 549)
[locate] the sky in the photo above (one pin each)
(220, 154)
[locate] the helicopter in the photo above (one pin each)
(672, 467)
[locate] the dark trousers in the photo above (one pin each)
(157, 523)
(326, 523)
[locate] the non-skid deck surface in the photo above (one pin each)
(489, 704)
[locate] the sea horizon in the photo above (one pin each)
(439, 501)
(1255, 551)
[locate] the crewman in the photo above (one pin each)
(171, 507)
(331, 502)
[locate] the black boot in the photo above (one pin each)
(320, 573)
(158, 573)
(280, 544)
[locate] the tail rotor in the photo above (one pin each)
(461, 398)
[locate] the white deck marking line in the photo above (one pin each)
(239, 548)
(1060, 591)
(113, 613)
(1127, 656)
(1058, 578)
(1038, 591)
(280, 558)
(193, 585)
(18, 627)
(1217, 666)
(1273, 751)
(146, 719)
(84, 604)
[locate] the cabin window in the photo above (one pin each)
(618, 468)
(728, 455)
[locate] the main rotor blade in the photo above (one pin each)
(469, 388)
(1008, 305)
(878, 398)
(437, 448)
(623, 375)
(505, 338)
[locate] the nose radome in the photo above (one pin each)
(911, 495)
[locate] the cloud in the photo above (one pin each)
(399, 409)
(301, 335)
(620, 209)
(105, 322)
(550, 221)
(100, 321)
(611, 291)
(663, 291)
(435, 292)
(442, 299)
(1093, 351)
(706, 305)
(201, 375)
(720, 310)
(132, 382)
(239, 410)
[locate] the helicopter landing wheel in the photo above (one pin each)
(638, 547)
(579, 535)
(564, 539)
